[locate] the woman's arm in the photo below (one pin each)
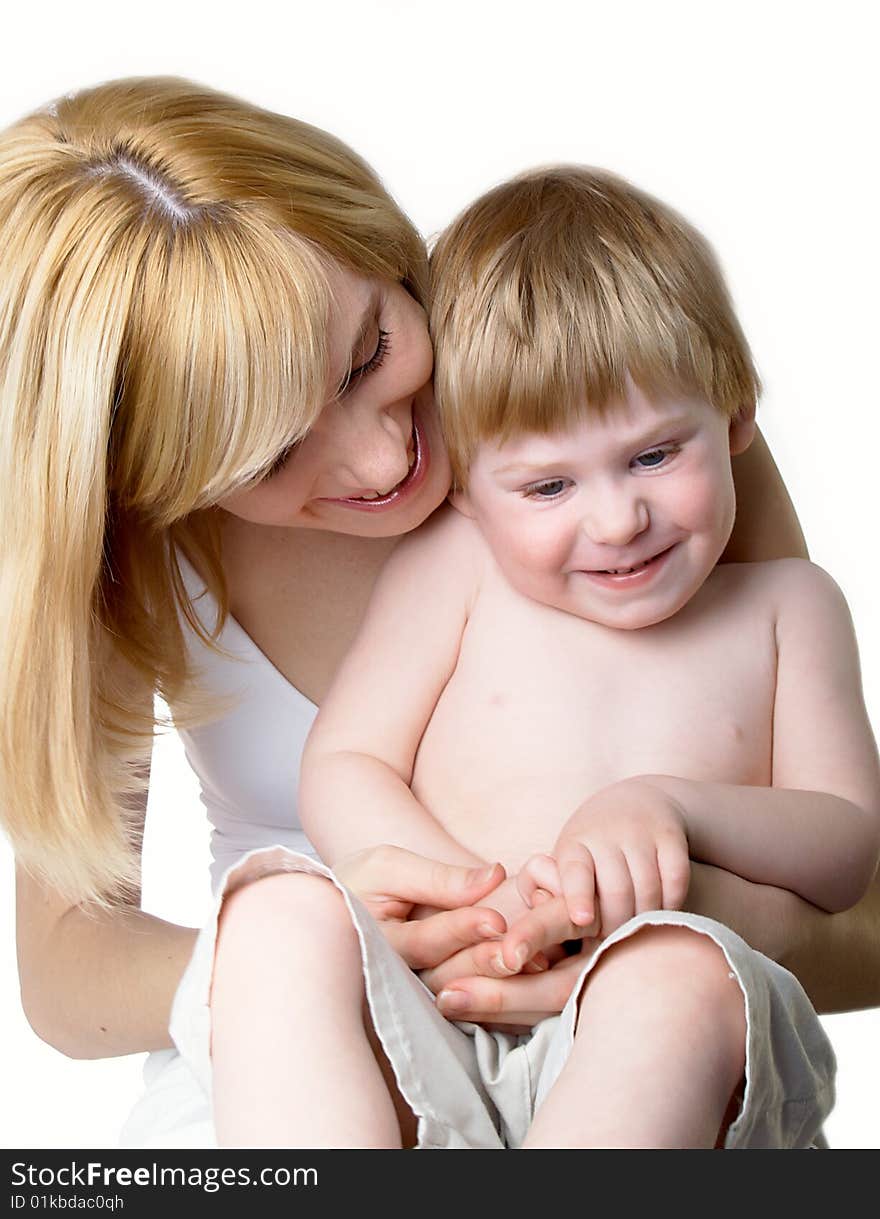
(836, 957)
(100, 984)
(766, 524)
(96, 983)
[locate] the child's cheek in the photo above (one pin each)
(531, 557)
(705, 503)
(542, 560)
(539, 548)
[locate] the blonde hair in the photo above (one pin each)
(551, 288)
(164, 296)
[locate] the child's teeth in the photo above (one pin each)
(625, 571)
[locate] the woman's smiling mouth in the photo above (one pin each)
(418, 456)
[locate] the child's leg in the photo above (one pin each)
(294, 1064)
(659, 1048)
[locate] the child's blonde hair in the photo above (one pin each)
(163, 303)
(550, 289)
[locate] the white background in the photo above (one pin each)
(757, 120)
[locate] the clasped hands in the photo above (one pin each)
(623, 851)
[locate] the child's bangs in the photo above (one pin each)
(541, 368)
(553, 288)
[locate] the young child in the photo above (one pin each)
(555, 674)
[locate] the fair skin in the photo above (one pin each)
(101, 983)
(618, 522)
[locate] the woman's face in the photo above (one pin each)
(374, 463)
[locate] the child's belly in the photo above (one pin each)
(545, 709)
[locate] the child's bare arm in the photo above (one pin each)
(816, 831)
(358, 761)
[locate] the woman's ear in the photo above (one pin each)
(742, 430)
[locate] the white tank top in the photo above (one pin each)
(247, 762)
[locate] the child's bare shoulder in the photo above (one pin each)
(447, 534)
(447, 549)
(788, 586)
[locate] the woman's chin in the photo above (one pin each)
(391, 521)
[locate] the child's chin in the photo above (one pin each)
(632, 616)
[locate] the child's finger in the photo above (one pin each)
(542, 927)
(675, 871)
(578, 873)
(539, 872)
(614, 887)
(645, 873)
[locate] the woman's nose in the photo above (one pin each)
(375, 456)
(614, 518)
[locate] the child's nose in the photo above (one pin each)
(614, 519)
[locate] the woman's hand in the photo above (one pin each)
(512, 1004)
(490, 984)
(487, 959)
(393, 882)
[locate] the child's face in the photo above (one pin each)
(651, 481)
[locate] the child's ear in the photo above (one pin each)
(460, 500)
(742, 430)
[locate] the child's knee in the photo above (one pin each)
(286, 908)
(680, 979)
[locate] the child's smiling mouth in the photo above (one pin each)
(629, 576)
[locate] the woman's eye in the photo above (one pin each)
(280, 461)
(383, 346)
(654, 457)
(550, 489)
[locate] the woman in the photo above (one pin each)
(215, 374)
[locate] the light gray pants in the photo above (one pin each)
(471, 1088)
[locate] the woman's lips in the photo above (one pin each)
(410, 483)
(633, 579)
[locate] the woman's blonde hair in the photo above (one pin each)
(552, 288)
(164, 297)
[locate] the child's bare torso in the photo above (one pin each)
(544, 709)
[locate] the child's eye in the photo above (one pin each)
(546, 490)
(654, 457)
(383, 346)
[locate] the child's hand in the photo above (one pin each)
(624, 851)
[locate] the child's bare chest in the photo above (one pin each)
(543, 709)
